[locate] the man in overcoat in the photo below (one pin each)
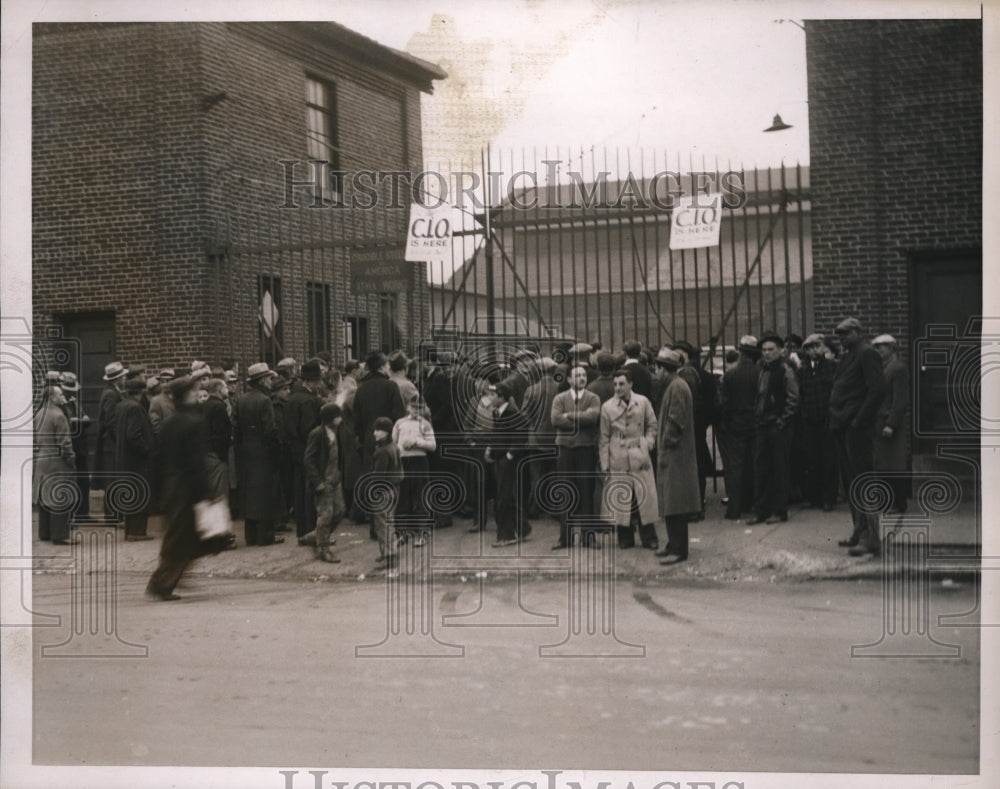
(537, 408)
(323, 477)
(858, 389)
(135, 452)
(376, 396)
(107, 424)
(737, 397)
(79, 423)
(677, 458)
(506, 445)
(257, 447)
(301, 418)
(627, 435)
(892, 425)
(54, 458)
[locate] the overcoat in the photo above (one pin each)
(893, 454)
(107, 424)
(677, 457)
(53, 450)
(627, 434)
(257, 449)
(376, 396)
(135, 445)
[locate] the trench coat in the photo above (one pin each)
(626, 436)
(53, 452)
(677, 455)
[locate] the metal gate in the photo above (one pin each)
(585, 253)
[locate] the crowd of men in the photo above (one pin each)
(584, 435)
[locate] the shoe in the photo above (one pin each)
(275, 541)
(326, 556)
(504, 543)
(138, 537)
(665, 551)
(848, 543)
(473, 530)
(860, 550)
(161, 595)
(559, 546)
(777, 519)
(60, 542)
(674, 560)
(755, 520)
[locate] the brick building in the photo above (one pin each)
(174, 213)
(896, 147)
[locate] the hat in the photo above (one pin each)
(166, 374)
(548, 364)
(114, 371)
(793, 339)
(68, 382)
(580, 349)
(383, 423)
(133, 385)
(287, 362)
(770, 336)
(135, 372)
(152, 382)
(848, 324)
(258, 370)
(310, 371)
(280, 383)
(814, 339)
(230, 376)
(686, 347)
(884, 339)
(748, 343)
(53, 377)
(669, 358)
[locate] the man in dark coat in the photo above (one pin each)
(301, 418)
(281, 390)
(603, 385)
(256, 437)
(219, 430)
(135, 451)
(705, 415)
(858, 389)
(774, 411)
(643, 379)
(537, 409)
(185, 482)
(376, 396)
(677, 459)
(506, 444)
(892, 427)
(820, 475)
(107, 424)
(439, 392)
(737, 397)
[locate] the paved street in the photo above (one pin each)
(734, 676)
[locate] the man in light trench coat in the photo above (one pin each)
(627, 434)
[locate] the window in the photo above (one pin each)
(269, 318)
(321, 131)
(317, 317)
(388, 330)
(356, 337)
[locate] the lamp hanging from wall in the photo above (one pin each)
(778, 125)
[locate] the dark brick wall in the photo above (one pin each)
(157, 188)
(895, 131)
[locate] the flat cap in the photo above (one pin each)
(814, 339)
(849, 324)
(884, 339)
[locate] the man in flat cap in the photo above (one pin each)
(820, 473)
(857, 392)
(892, 424)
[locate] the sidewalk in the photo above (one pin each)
(803, 548)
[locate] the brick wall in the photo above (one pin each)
(157, 186)
(895, 131)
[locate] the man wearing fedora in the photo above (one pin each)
(257, 446)
(676, 458)
(737, 395)
(79, 423)
(54, 463)
(107, 424)
(161, 405)
(856, 394)
(135, 450)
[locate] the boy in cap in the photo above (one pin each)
(387, 472)
(322, 469)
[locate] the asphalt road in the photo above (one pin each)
(705, 676)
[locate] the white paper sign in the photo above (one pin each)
(696, 221)
(428, 236)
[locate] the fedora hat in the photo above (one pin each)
(114, 371)
(310, 371)
(68, 382)
(258, 370)
(667, 357)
